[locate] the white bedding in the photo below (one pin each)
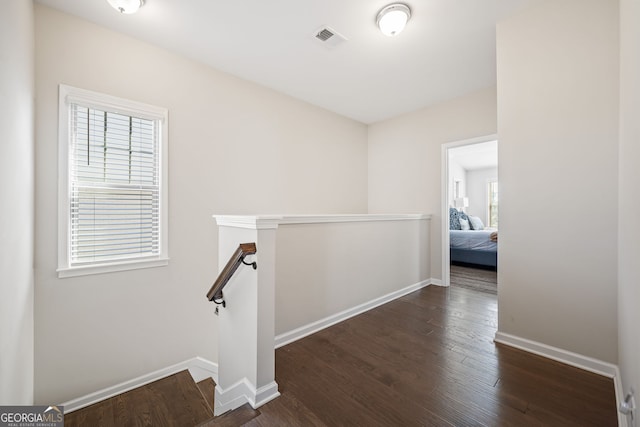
(472, 239)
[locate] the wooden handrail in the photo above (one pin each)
(215, 293)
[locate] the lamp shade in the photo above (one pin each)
(126, 6)
(461, 202)
(392, 19)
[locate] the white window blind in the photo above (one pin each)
(114, 186)
(114, 209)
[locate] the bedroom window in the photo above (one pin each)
(493, 204)
(113, 184)
(457, 193)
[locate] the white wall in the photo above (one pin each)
(405, 158)
(234, 147)
(558, 129)
(477, 181)
(629, 201)
(324, 268)
(17, 213)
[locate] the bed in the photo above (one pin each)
(475, 247)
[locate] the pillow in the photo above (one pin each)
(463, 215)
(464, 224)
(454, 219)
(476, 223)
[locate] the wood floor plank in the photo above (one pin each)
(332, 406)
(207, 388)
(429, 358)
(387, 404)
(399, 381)
(171, 401)
(416, 351)
(478, 279)
(286, 410)
(238, 417)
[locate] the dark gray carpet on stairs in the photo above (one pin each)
(474, 278)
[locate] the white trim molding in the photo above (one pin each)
(68, 95)
(251, 222)
(444, 191)
(320, 219)
(111, 267)
(306, 330)
(198, 367)
(259, 222)
(243, 392)
(437, 282)
(623, 420)
(560, 355)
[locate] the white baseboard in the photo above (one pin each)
(311, 328)
(243, 392)
(232, 397)
(574, 359)
(201, 369)
(623, 420)
(590, 364)
(198, 367)
(436, 282)
(265, 394)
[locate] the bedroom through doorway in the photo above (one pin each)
(470, 214)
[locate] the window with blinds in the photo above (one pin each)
(114, 209)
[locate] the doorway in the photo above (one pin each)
(470, 192)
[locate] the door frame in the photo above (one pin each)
(444, 181)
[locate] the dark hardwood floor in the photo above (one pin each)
(472, 277)
(171, 401)
(429, 359)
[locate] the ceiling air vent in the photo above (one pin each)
(329, 37)
(324, 34)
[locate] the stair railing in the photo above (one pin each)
(215, 293)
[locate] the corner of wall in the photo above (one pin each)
(17, 186)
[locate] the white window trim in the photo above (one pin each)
(67, 95)
(487, 198)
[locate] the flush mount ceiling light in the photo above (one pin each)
(392, 19)
(126, 6)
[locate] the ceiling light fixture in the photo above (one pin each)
(392, 18)
(126, 6)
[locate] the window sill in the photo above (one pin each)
(110, 268)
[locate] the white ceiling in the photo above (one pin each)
(446, 50)
(475, 156)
